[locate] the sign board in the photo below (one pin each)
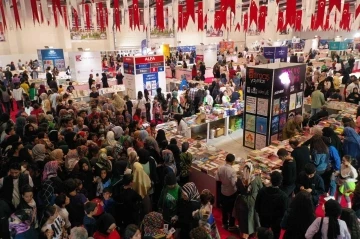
(338, 46)
(82, 64)
(51, 58)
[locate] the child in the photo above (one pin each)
(108, 202)
(103, 181)
(205, 215)
(60, 89)
(54, 225)
(89, 221)
(129, 105)
(28, 204)
(76, 205)
(80, 188)
(157, 110)
(70, 88)
(61, 201)
(33, 93)
(19, 226)
(347, 180)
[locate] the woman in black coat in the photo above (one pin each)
(104, 80)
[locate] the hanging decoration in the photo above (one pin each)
(180, 17)
(245, 22)
(87, 16)
(320, 14)
(131, 18)
(3, 17)
(290, 13)
(34, 11)
(280, 22)
(262, 18)
(327, 23)
(136, 14)
(200, 16)
(56, 5)
(116, 15)
(65, 17)
(106, 15)
(100, 16)
(357, 11)
(55, 15)
(336, 4)
(76, 18)
(41, 14)
(16, 14)
(298, 20)
(253, 13)
(185, 19)
(190, 9)
(222, 14)
(238, 14)
(217, 20)
(160, 14)
(345, 18)
(232, 5)
(313, 22)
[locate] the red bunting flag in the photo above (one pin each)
(131, 18)
(222, 14)
(34, 11)
(336, 4)
(55, 15)
(277, 2)
(280, 22)
(57, 5)
(217, 20)
(116, 15)
(200, 17)
(16, 14)
(357, 11)
(76, 18)
(246, 22)
(345, 18)
(100, 16)
(87, 16)
(160, 14)
(253, 12)
(190, 9)
(185, 19)
(106, 15)
(262, 18)
(3, 14)
(136, 14)
(320, 14)
(180, 17)
(231, 4)
(327, 23)
(65, 17)
(313, 22)
(290, 13)
(298, 20)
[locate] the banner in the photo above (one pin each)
(117, 15)
(136, 14)
(190, 9)
(3, 17)
(262, 18)
(160, 15)
(200, 17)
(87, 16)
(51, 58)
(82, 64)
(226, 47)
(16, 14)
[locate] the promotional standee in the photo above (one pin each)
(144, 72)
(51, 58)
(276, 54)
(273, 95)
(82, 64)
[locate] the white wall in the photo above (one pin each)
(325, 35)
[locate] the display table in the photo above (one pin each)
(333, 107)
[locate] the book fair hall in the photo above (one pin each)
(179, 119)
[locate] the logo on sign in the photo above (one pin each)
(78, 58)
(149, 58)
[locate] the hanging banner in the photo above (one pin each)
(146, 14)
(290, 13)
(160, 15)
(245, 22)
(101, 16)
(117, 15)
(298, 20)
(34, 11)
(87, 16)
(16, 14)
(65, 17)
(3, 16)
(136, 14)
(200, 17)
(262, 18)
(190, 9)
(55, 15)
(253, 12)
(320, 16)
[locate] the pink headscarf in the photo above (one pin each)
(50, 169)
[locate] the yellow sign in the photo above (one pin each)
(166, 50)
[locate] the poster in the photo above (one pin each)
(260, 141)
(151, 82)
(275, 125)
(249, 139)
(82, 64)
(282, 121)
(211, 32)
(291, 115)
(283, 105)
(226, 46)
(261, 125)
(276, 107)
(250, 122)
(262, 107)
(51, 58)
(86, 35)
(259, 81)
(128, 64)
(292, 103)
(156, 33)
(250, 104)
(299, 100)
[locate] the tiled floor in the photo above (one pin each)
(233, 143)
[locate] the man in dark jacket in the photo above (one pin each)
(288, 171)
(301, 155)
(309, 181)
(271, 204)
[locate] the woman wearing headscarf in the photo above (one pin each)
(139, 137)
(19, 126)
(331, 226)
(152, 146)
(208, 100)
(106, 227)
(153, 225)
(57, 155)
(160, 137)
(169, 162)
(104, 80)
(118, 171)
(110, 139)
(86, 176)
(72, 157)
(334, 139)
(190, 202)
(51, 184)
(142, 185)
(351, 143)
(149, 165)
(118, 132)
(39, 152)
(248, 184)
(176, 152)
(119, 103)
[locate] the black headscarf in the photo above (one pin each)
(143, 155)
(104, 222)
(119, 168)
(334, 139)
(69, 139)
(160, 137)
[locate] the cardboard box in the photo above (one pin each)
(219, 132)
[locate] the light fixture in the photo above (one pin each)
(284, 78)
(51, 47)
(87, 49)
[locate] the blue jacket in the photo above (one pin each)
(352, 149)
(183, 83)
(320, 161)
(334, 158)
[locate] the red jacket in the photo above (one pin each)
(232, 73)
(113, 235)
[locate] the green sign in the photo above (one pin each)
(338, 46)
